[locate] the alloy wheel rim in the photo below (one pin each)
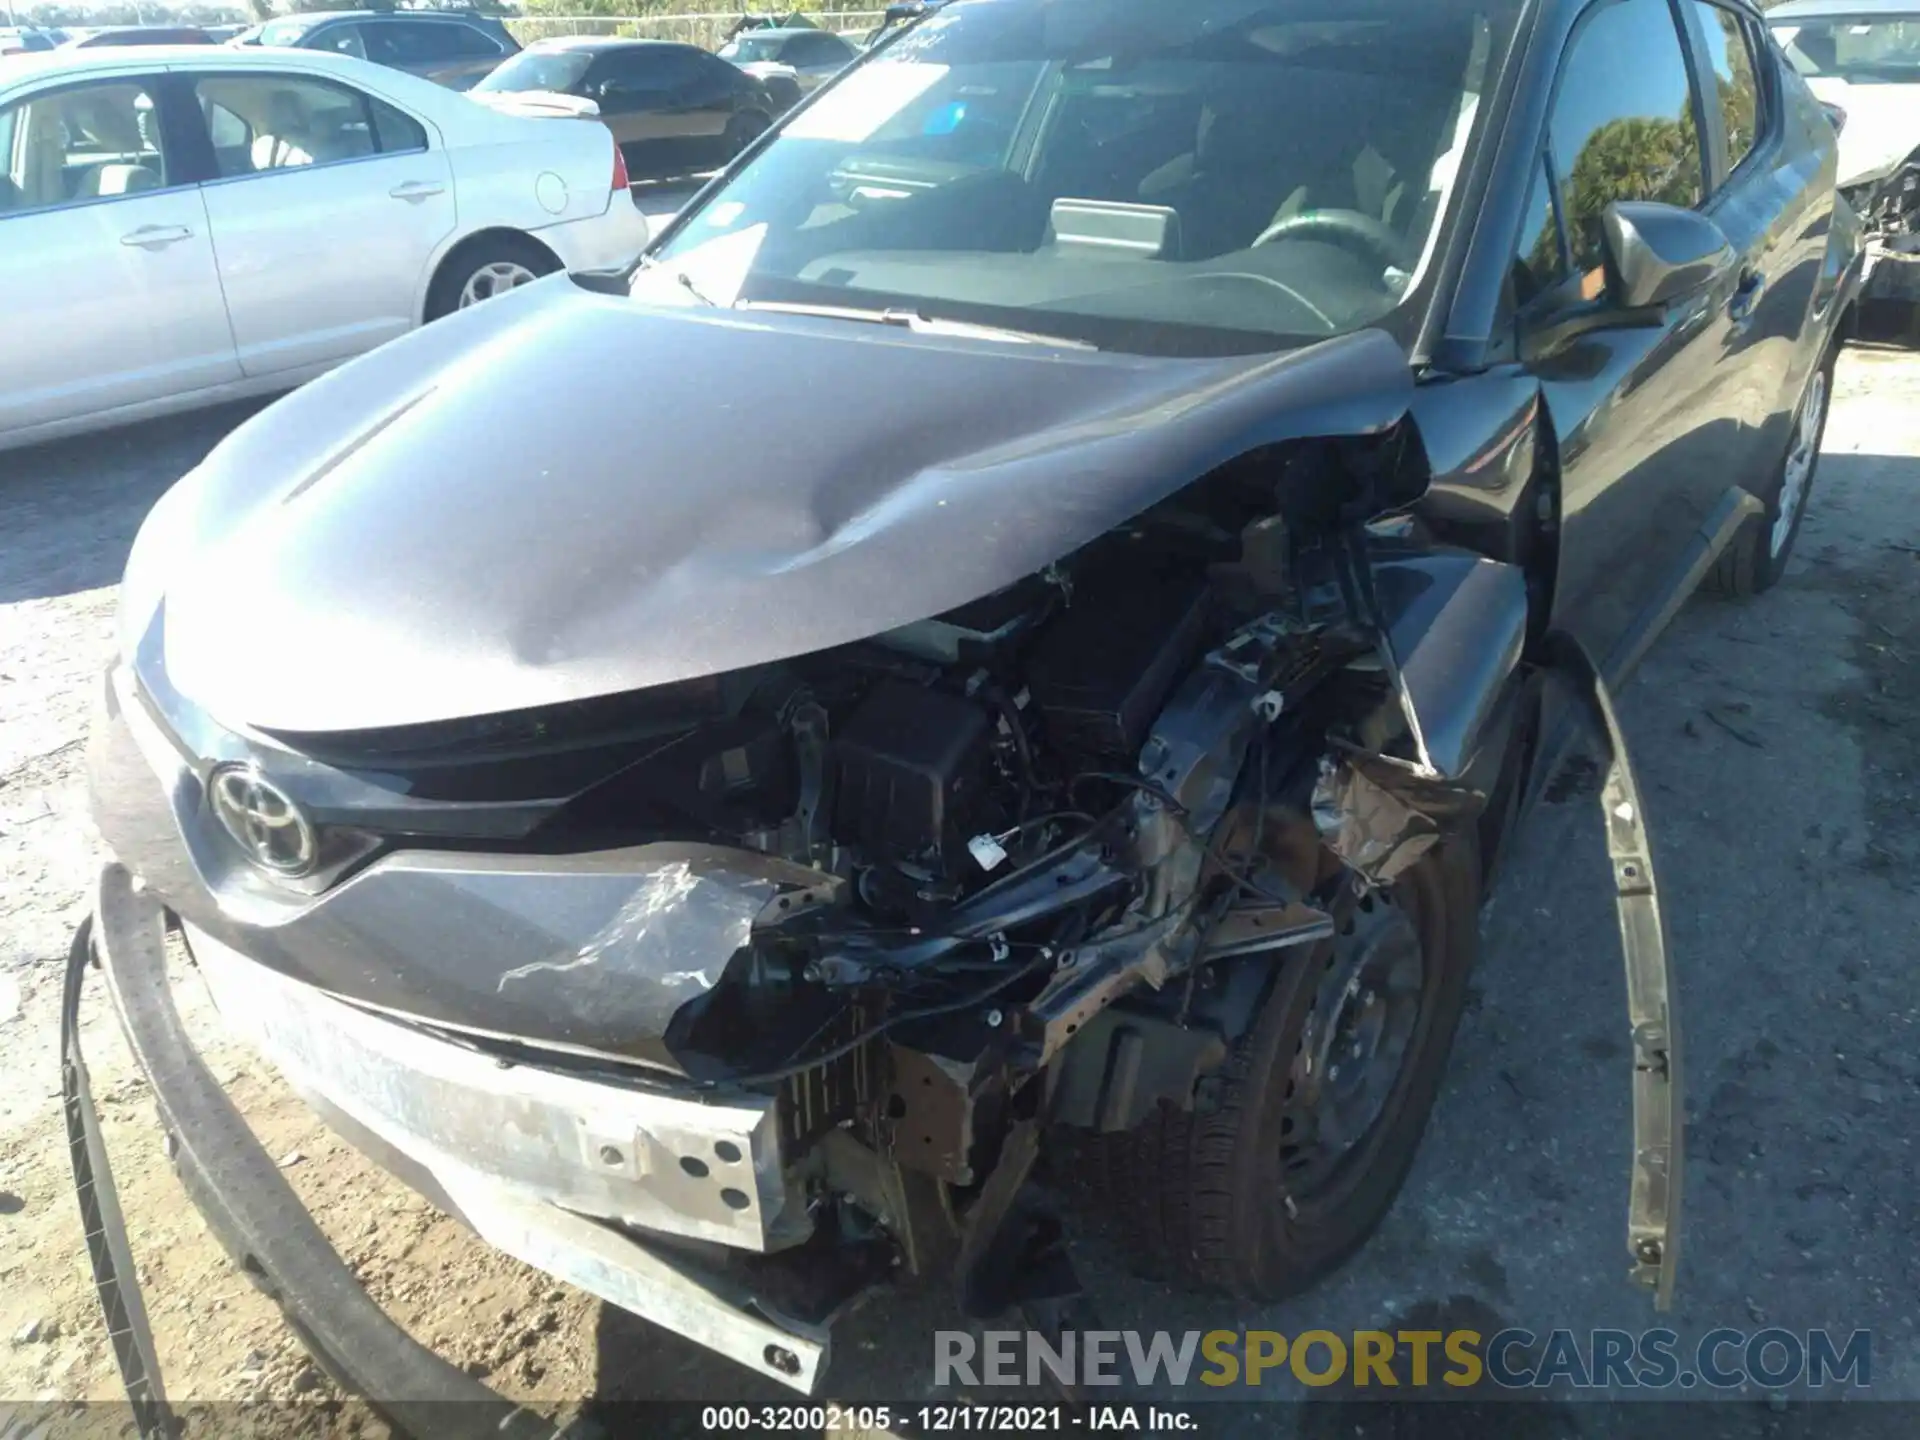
(1358, 1035)
(495, 279)
(1800, 462)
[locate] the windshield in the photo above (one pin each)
(748, 48)
(554, 70)
(285, 32)
(1860, 51)
(1191, 176)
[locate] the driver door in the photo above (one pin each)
(632, 88)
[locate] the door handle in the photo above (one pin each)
(417, 190)
(1746, 297)
(156, 237)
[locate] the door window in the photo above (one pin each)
(422, 42)
(341, 39)
(634, 79)
(821, 49)
(394, 131)
(226, 129)
(82, 144)
(1737, 99)
(292, 121)
(1541, 263)
(471, 44)
(1623, 124)
(701, 79)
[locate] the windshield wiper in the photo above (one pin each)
(916, 322)
(683, 280)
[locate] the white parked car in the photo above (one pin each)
(185, 225)
(1863, 58)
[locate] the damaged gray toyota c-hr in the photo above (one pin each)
(1033, 624)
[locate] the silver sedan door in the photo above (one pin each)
(113, 298)
(328, 210)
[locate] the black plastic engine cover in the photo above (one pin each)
(909, 770)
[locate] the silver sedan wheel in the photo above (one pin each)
(1800, 462)
(495, 279)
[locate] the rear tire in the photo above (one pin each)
(1757, 558)
(1242, 1199)
(485, 268)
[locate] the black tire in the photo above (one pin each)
(471, 261)
(1202, 1197)
(1752, 565)
(745, 128)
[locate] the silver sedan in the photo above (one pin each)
(180, 226)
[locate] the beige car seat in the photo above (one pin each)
(117, 179)
(286, 139)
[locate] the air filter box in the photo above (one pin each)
(910, 769)
(1101, 673)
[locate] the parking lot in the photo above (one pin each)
(1779, 750)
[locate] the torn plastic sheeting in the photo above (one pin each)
(1377, 817)
(665, 946)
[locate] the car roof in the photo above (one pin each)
(316, 16)
(607, 42)
(108, 32)
(789, 33)
(144, 59)
(1850, 9)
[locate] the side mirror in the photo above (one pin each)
(1835, 116)
(1660, 253)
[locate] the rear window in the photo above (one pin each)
(555, 71)
(285, 32)
(752, 49)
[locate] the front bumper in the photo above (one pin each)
(471, 1132)
(413, 1100)
(586, 954)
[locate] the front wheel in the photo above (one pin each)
(742, 131)
(1322, 1104)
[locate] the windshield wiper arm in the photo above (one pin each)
(684, 281)
(916, 322)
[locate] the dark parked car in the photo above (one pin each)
(143, 35)
(674, 109)
(1279, 425)
(894, 17)
(811, 57)
(452, 47)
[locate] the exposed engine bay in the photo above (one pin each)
(733, 997)
(1031, 863)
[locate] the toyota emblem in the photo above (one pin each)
(263, 820)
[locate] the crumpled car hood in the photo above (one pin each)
(560, 495)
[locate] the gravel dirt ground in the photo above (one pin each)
(1779, 748)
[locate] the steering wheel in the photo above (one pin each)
(1353, 228)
